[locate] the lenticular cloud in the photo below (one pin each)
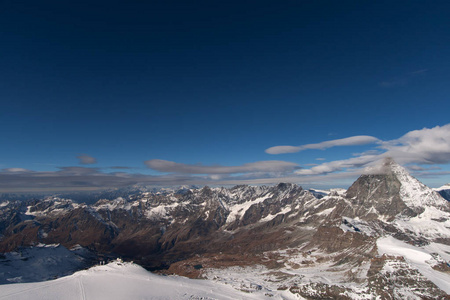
(350, 141)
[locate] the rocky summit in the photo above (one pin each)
(387, 236)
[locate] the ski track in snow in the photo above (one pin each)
(126, 281)
(82, 291)
(18, 290)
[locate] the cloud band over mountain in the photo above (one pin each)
(260, 166)
(426, 150)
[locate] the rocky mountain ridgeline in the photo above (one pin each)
(285, 230)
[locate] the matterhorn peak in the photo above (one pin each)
(385, 166)
(389, 188)
(388, 163)
(414, 193)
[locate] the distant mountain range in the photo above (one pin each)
(387, 236)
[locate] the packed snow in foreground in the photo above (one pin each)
(119, 280)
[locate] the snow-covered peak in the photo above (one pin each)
(51, 206)
(413, 192)
(111, 205)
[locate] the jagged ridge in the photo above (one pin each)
(213, 228)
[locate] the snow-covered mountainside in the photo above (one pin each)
(43, 262)
(363, 243)
(414, 193)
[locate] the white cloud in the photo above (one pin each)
(368, 152)
(425, 146)
(431, 174)
(86, 159)
(420, 168)
(333, 179)
(259, 166)
(339, 165)
(78, 170)
(350, 141)
(415, 168)
(15, 170)
(79, 179)
(420, 150)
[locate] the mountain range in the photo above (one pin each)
(387, 236)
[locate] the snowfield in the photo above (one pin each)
(419, 258)
(118, 280)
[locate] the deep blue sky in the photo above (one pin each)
(216, 83)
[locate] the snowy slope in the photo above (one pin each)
(431, 224)
(419, 257)
(433, 221)
(119, 280)
(413, 192)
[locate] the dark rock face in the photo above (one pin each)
(76, 227)
(381, 192)
(333, 239)
(10, 216)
